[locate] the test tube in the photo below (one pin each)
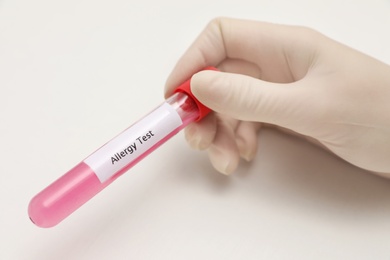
(102, 167)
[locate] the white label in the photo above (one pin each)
(133, 142)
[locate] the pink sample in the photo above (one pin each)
(77, 186)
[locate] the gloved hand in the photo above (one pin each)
(292, 77)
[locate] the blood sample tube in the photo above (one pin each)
(98, 170)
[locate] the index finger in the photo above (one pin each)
(274, 49)
(207, 50)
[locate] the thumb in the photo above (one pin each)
(245, 98)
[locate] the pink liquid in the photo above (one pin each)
(80, 184)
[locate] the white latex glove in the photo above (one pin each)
(292, 77)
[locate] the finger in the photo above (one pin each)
(248, 99)
(201, 134)
(283, 53)
(240, 67)
(223, 152)
(207, 50)
(246, 139)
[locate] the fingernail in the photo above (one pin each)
(248, 157)
(220, 161)
(194, 140)
(245, 153)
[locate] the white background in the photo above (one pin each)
(75, 73)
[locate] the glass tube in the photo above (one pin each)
(93, 174)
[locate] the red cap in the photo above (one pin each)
(186, 88)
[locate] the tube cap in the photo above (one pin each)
(186, 88)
